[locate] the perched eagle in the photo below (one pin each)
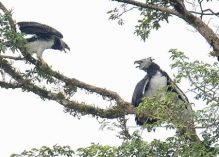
(43, 37)
(154, 81)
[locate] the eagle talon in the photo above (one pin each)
(43, 63)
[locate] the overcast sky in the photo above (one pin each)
(102, 54)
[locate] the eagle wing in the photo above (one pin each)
(174, 88)
(139, 91)
(137, 96)
(38, 29)
(186, 114)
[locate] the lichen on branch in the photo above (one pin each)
(34, 77)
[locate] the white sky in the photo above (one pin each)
(102, 53)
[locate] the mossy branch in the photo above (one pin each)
(120, 108)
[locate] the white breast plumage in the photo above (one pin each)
(157, 85)
(38, 46)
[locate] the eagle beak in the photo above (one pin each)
(143, 61)
(138, 62)
(66, 47)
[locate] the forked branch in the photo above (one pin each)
(120, 108)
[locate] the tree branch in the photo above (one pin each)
(119, 110)
(149, 6)
(215, 124)
(12, 57)
(72, 106)
(9, 85)
(79, 84)
(74, 82)
(11, 21)
(181, 12)
(203, 13)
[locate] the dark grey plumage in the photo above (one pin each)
(44, 37)
(38, 29)
(155, 80)
(151, 85)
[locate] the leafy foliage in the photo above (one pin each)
(203, 78)
(163, 109)
(8, 36)
(204, 83)
(96, 150)
(134, 147)
(116, 15)
(44, 151)
(39, 73)
(151, 20)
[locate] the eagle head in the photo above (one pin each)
(64, 46)
(143, 64)
(59, 44)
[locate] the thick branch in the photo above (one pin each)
(7, 85)
(114, 112)
(150, 6)
(72, 106)
(202, 28)
(74, 82)
(119, 110)
(181, 12)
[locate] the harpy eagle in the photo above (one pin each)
(154, 82)
(43, 37)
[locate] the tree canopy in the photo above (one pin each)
(43, 81)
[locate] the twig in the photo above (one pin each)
(124, 133)
(207, 126)
(203, 13)
(11, 21)
(9, 85)
(12, 57)
(126, 10)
